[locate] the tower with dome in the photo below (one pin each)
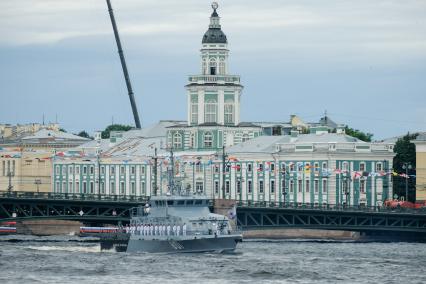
(213, 99)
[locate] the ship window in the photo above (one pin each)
(189, 202)
(181, 202)
(198, 202)
(169, 202)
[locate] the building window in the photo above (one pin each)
(133, 188)
(291, 186)
(143, 188)
(122, 188)
(283, 185)
(307, 185)
(227, 168)
(300, 167)
(70, 189)
(70, 170)
(324, 186)
(216, 169)
(362, 186)
(64, 187)
(199, 187)
(112, 188)
(345, 166)
(194, 112)
(299, 185)
(77, 187)
(122, 170)
(56, 170)
(212, 66)
(208, 140)
(260, 167)
(245, 137)
(84, 170)
(238, 186)
(84, 187)
(77, 170)
(102, 170)
(58, 187)
(92, 187)
(177, 141)
(92, 170)
(379, 167)
(249, 186)
(216, 187)
(227, 186)
(132, 170)
(316, 166)
(112, 170)
(102, 184)
(260, 186)
(198, 167)
(316, 186)
(362, 167)
(210, 111)
(249, 168)
(291, 167)
(324, 165)
(272, 167)
(272, 185)
(238, 167)
(229, 112)
(143, 170)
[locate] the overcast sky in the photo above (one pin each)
(363, 61)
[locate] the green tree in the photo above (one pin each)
(405, 153)
(358, 134)
(114, 127)
(84, 134)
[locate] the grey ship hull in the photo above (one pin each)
(210, 243)
(222, 243)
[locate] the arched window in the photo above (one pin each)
(245, 137)
(212, 66)
(210, 111)
(177, 141)
(208, 140)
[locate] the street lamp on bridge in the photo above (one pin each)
(406, 167)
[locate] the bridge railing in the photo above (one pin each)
(73, 196)
(327, 207)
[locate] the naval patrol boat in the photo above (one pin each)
(179, 221)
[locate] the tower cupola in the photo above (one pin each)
(214, 34)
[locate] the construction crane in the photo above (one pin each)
(124, 66)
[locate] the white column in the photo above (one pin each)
(221, 105)
(200, 106)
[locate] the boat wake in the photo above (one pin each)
(86, 249)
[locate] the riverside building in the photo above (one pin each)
(265, 162)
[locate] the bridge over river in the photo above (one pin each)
(93, 208)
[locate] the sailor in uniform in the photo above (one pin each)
(184, 229)
(168, 230)
(174, 230)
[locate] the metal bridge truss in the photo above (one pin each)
(30, 209)
(264, 218)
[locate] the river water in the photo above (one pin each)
(72, 260)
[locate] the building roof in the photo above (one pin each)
(53, 136)
(214, 34)
(266, 144)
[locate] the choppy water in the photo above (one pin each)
(69, 260)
